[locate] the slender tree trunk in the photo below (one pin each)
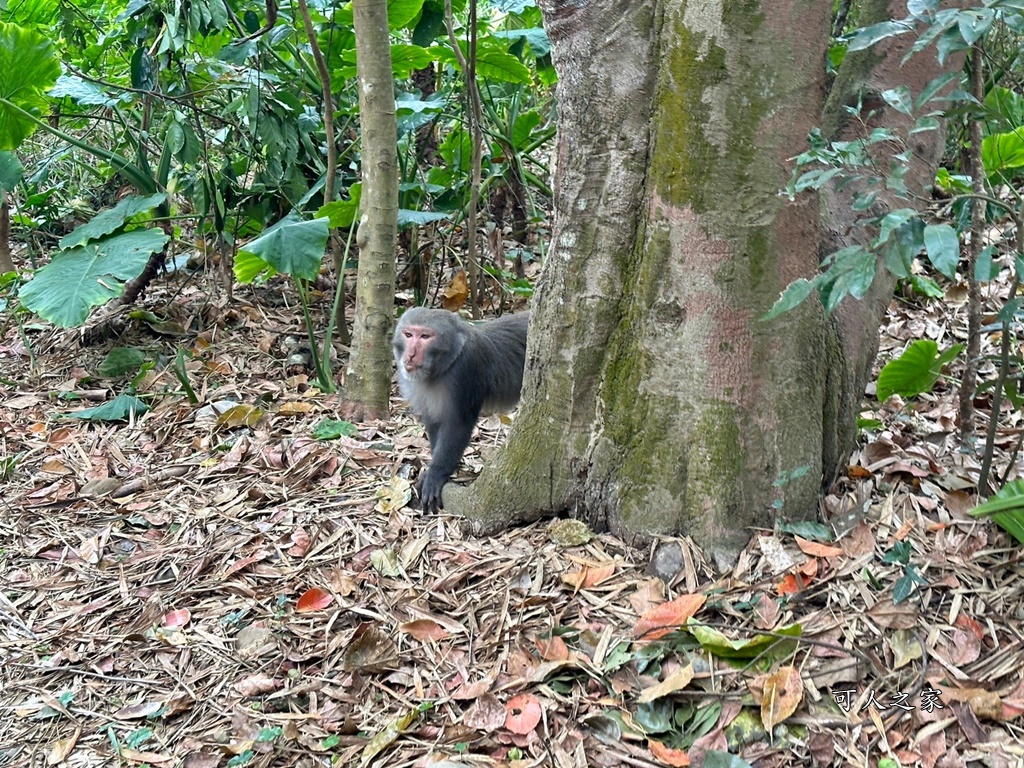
(368, 380)
(6, 262)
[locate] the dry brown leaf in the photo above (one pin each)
(257, 684)
(677, 681)
(782, 692)
(860, 541)
(153, 758)
(457, 292)
(61, 748)
(138, 711)
(816, 549)
(890, 616)
(487, 714)
(424, 629)
(552, 648)
(370, 650)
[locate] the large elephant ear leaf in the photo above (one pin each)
(28, 69)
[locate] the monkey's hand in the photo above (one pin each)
(431, 483)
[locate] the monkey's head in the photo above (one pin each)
(427, 342)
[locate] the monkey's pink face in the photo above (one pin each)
(418, 339)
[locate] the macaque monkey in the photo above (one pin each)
(451, 372)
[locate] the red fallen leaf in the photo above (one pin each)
(313, 599)
(424, 629)
(788, 585)
(667, 755)
(662, 619)
(963, 621)
(522, 713)
(177, 619)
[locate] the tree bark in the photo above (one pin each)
(656, 400)
(368, 379)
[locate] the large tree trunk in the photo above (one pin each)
(656, 399)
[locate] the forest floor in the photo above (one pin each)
(194, 589)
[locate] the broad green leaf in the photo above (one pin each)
(717, 644)
(974, 23)
(794, 294)
(893, 221)
(292, 246)
(808, 530)
(714, 758)
(402, 12)
(497, 65)
(862, 274)
(1006, 508)
(11, 171)
(121, 408)
(1002, 151)
(535, 36)
(105, 222)
(985, 268)
(925, 286)
(922, 8)
(943, 21)
(85, 92)
(950, 42)
(943, 248)
(434, 103)
(332, 429)
(868, 36)
(915, 371)
(28, 68)
(342, 213)
(89, 276)
(408, 218)
(1007, 104)
(523, 128)
(405, 58)
(952, 183)
(121, 361)
(899, 98)
(934, 87)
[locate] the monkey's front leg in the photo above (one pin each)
(448, 441)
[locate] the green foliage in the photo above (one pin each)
(121, 408)
(916, 370)
(121, 361)
(28, 67)
(88, 276)
(332, 429)
(1007, 509)
(765, 648)
(112, 219)
(878, 162)
(11, 171)
(291, 246)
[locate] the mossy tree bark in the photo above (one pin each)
(656, 399)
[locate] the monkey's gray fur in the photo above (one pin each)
(463, 371)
